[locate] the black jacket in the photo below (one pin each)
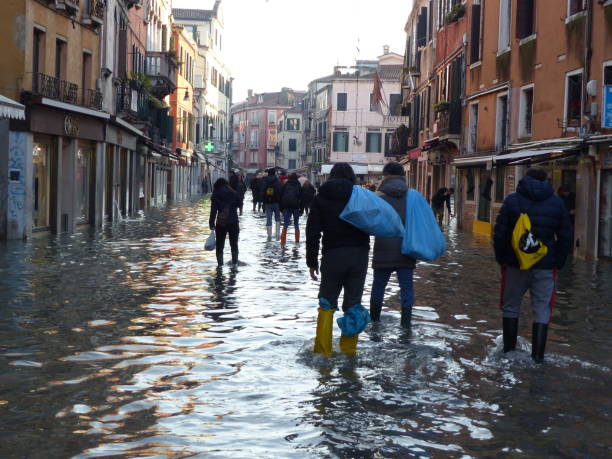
(324, 218)
(291, 195)
(270, 181)
(224, 203)
(388, 251)
(440, 198)
(308, 193)
(550, 223)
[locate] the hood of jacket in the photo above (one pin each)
(534, 190)
(394, 186)
(336, 189)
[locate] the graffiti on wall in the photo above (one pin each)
(17, 182)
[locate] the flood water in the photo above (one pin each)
(130, 343)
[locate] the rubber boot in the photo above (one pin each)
(278, 230)
(375, 310)
(297, 235)
(269, 230)
(538, 341)
(283, 238)
(510, 326)
(406, 318)
(325, 324)
(220, 257)
(348, 344)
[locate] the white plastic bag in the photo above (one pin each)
(211, 242)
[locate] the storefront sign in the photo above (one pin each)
(71, 126)
(606, 117)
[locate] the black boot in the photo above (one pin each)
(538, 341)
(375, 312)
(510, 333)
(406, 319)
(234, 257)
(220, 257)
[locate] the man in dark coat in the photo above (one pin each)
(442, 197)
(290, 205)
(308, 194)
(388, 257)
(550, 225)
(271, 187)
(344, 263)
(224, 218)
(254, 186)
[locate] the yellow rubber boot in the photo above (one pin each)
(325, 324)
(348, 344)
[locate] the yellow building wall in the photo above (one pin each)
(13, 39)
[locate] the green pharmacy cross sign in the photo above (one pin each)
(209, 147)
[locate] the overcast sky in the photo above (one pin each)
(270, 44)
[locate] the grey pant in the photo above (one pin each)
(344, 267)
(541, 286)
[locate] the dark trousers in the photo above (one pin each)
(344, 268)
(222, 231)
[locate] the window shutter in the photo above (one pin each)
(475, 38)
(421, 39)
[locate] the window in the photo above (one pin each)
(373, 141)
(389, 144)
(341, 141)
(504, 26)
(292, 164)
(253, 157)
(525, 111)
(293, 124)
(525, 14)
(86, 79)
(60, 59)
(372, 108)
(38, 52)
(421, 29)
(292, 145)
(574, 6)
(473, 128)
(501, 125)
(573, 98)
(395, 104)
(341, 102)
(476, 35)
(271, 117)
(607, 76)
(500, 175)
(469, 185)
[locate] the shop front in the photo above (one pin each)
(122, 175)
(605, 205)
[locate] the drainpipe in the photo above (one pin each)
(588, 54)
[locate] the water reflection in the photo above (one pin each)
(130, 342)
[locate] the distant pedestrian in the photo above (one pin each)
(308, 194)
(569, 201)
(254, 186)
(442, 197)
(302, 179)
(241, 189)
(388, 257)
(344, 263)
(224, 218)
(550, 226)
(290, 205)
(283, 177)
(271, 196)
(205, 185)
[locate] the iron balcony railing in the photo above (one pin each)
(54, 88)
(449, 119)
(92, 98)
(96, 9)
(160, 67)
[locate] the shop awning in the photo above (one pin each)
(10, 109)
(528, 155)
(472, 160)
(375, 168)
(359, 169)
(414, 154)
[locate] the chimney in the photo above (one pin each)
(386, 50)
(250, 92)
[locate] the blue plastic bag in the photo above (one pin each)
(423, 239)
(372, 214)
(354, 320)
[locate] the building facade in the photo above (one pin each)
(291, 148)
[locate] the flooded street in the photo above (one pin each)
(130, 343)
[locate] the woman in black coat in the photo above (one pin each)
(224, 218)
(308, 194)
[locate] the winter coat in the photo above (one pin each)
(324, 218)
(241, 188)
(271, 181)
(233, 181)
(223, 209)
(291, 195)
(388, 251)
(550, 223)
(440, 198)
(308, 194)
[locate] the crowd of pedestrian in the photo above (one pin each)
(529, 254)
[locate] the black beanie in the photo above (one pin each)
(393, 168)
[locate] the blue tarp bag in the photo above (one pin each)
(423, 239)
(372, 214)
(354, 320)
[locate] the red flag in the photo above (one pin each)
(378, 99)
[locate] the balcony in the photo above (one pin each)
(161, 68)
(54, 88)
(132, 104)
(449, 119)
(254, 145)
(70, 6)
(92, 98)
(95, 15)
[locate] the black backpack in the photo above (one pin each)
(291, 196)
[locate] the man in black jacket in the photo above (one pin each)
(271, 195)
(388, 257)
(550, 225)
(344, 264)
(290, 205)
